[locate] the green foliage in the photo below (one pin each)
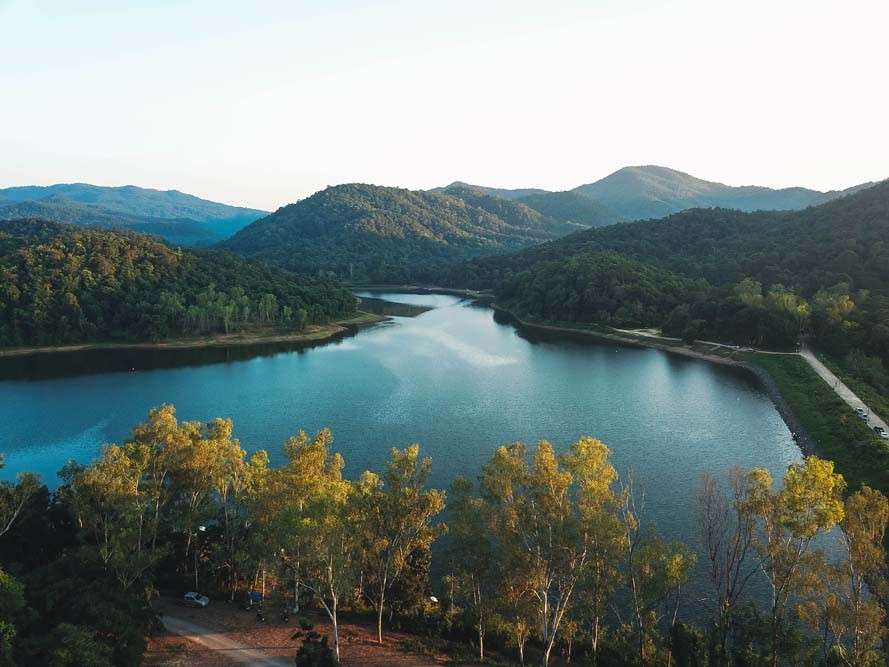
(65, 285)
(314, 651)
(571, 207)
(389, 235)
(826, 268)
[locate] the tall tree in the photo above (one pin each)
(396, 514)
(809, 502)
(728, 537)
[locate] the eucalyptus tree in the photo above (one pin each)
(728, 538)
(810, 502)
(655, 572)
(472, 556)
(545, 517)
(395, 515)
(14, 495)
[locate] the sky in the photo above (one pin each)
(263, 103)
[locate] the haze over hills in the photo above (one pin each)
(139, 206)
(382, 234)
(639, 192)
(571, 206)
(58, 209)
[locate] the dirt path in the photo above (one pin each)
(222, 635)
(233, 652)
(841, 389)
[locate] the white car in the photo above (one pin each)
(192, 599)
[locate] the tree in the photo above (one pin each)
(851, 609)
(13, 497)
(12, 601)
(321, 519)
(472, 555)
(655, 571)
(728, 536)
(809, 502)
(540, 527)
(395, 513)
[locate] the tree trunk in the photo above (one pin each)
(336, 631)
(380, 621)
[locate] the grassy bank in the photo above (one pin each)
(874, 393)
(254, 336)
(838, 434)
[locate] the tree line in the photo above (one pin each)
(548, 556)
(748, 278)
(60, 284)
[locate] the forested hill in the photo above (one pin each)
(167, 207)
(58, 209)
(829, 261)
(514, 212)
(61, 284)
(388, 235)
(571, 207)
(653, 192)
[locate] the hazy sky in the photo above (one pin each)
(261, 103)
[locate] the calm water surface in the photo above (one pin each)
(451, 378)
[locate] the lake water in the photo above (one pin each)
(451, 378)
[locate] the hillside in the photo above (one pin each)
(654, 192)
(164, 205)
(503, 193)
(828, 267)
(57, 208)
(386, 235)
(513, 212)
(571, 207)
(62, 284)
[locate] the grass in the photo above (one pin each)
(877, 400)
(839, 435)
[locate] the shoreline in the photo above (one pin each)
(801, 437)
(313, 333)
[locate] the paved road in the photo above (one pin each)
(842, 390)
(216, 641)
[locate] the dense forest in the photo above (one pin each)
(60, 284)
(571, 206)
(759, 278)
(367, 233)
(548, 557)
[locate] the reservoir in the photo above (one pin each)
(445, 375)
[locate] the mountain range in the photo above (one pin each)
(175, 216)
(640, 192)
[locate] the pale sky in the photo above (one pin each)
(262, 103)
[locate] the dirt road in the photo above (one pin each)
(229, 650)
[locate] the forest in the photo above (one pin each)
(61, 284)
(367, 233)
(758, 278)
(547, 556)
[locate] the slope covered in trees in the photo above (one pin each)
(653, 192)
(571, 207)
(550, 554)
(761, 277)
(388, 235)
(60, 284)
(58, 209)
(165, 204)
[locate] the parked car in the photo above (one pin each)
(192, 599)
(878, 429)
